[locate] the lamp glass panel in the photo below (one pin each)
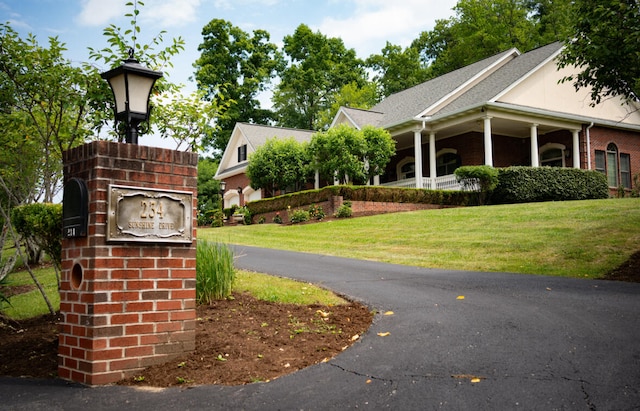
(119, 92)
(139, 89)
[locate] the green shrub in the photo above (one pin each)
(40, 226)
(534, 184)
(344, 211)
(316, 212)
(277, 219)
(214, 271)
(299, 216)
(480, 179)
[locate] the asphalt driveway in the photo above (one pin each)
(456, 340)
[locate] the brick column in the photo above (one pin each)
(126, 305)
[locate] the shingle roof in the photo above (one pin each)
(364, 117)
(409, 103)
(501, 79)
(257, 134)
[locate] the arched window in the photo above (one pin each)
(406, 168)
(612, 165)
(552, 155)
(447, 162)
(615, 165)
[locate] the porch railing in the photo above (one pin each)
(448, 182)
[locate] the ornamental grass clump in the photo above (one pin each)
(214, 271)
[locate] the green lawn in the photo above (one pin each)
(573, 239)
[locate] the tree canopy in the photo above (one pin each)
(278, 165)
(318, 68)
(349, 155)
(605, 46)
(233, 68)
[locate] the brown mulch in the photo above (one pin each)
(238, 341)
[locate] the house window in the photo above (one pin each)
(408, 170)
(242, 153)
(616, 166)
(625, 170)
(447, 163)
(553, 155)
(552, 158)
(612, 165)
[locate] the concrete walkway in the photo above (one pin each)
(457, 341)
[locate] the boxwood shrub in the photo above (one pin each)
(535, 184)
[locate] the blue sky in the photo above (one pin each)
(364, 25)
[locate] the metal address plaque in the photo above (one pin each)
(149, 215)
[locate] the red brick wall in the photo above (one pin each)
(125, 306)
(626, 141)
(359, 208)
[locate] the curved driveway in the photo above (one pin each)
(457, 340)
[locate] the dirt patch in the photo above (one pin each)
(629, 271)
(238, 341)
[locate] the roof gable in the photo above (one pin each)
(357, 118)
(254, 136)
(415, 101)
(504, 78)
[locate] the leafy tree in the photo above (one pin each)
(234, 67)
(350, 95)
(397, 69)
(278, 165)
(606, 47)
(209, 198)
(319, 67)
(482, 28)
(553, 19)
(188, 120)
(380, 148)
(46, 101)
(350, 155)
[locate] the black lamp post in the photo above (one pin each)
(223, 186)
(131, 84)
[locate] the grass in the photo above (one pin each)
(583, 239)
(573, 239)
(261, 286)
(32, 304)
(277, 289)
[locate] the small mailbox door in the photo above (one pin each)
(75, 208)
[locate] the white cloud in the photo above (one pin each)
(171, 13)
(99, 12)
(376, 21)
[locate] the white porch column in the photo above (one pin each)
(376, 180)
(432, 160)
(316, 182)
(535, 153)
(417, 142)
(488, 144)
(576, 148)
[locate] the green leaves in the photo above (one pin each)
(351, 155)
(279, 164)
(605, 47)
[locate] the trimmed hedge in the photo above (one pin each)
(515, 185)
(536, 184)
(362, 193)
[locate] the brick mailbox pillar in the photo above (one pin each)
(127, 297)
